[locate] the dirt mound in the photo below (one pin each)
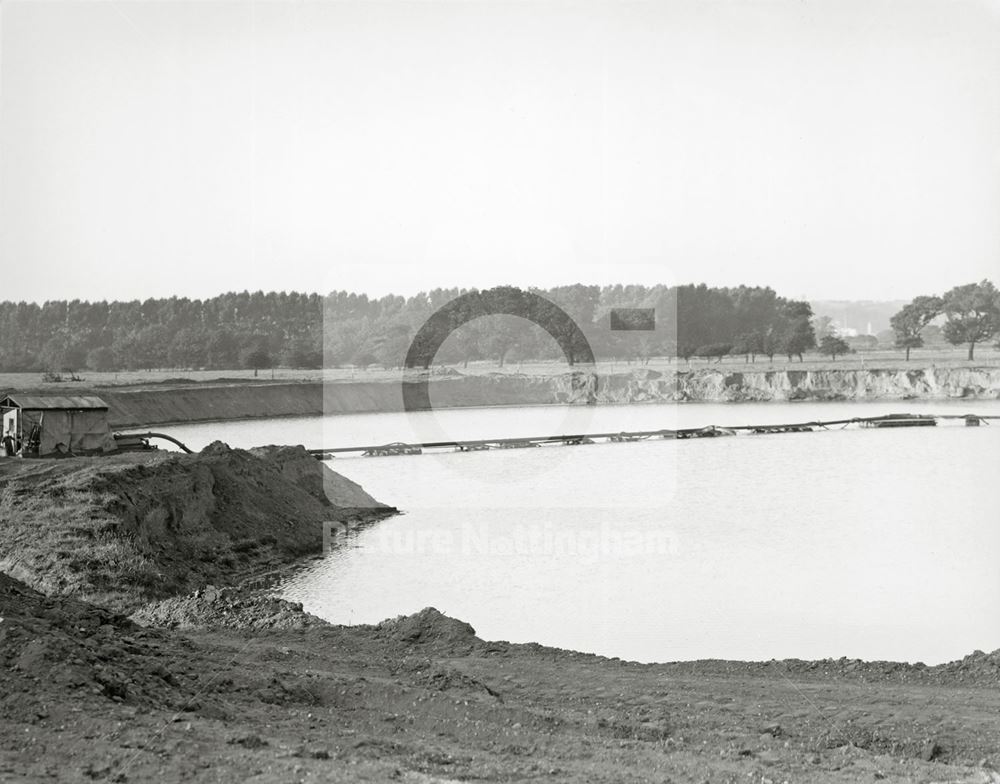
(125, 530)
(429, 627)
(299, 467)
(67, 648)
(977, 667)
(232, 608)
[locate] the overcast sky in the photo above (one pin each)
(829, 149)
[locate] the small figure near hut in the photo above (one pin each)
(9, 444)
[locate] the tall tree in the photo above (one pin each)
(908, 323)
(973, 313)
(831, 345)
(797, 335)
(256, 359)
(390, 346)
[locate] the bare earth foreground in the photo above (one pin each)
(119, 663)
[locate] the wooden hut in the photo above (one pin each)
(42, 425)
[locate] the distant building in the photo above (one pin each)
(843, 331)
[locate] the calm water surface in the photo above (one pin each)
(878, 544)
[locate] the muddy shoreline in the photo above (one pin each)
(134, 647)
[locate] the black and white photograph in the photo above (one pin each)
(346, 352)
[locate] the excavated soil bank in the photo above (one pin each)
(169, 404)
(128, 529)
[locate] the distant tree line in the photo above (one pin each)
(971, 312)
(229, 331)
(260, 330)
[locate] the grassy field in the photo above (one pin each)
(986, 356)
(868, 360)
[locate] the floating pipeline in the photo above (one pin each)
(709, 431)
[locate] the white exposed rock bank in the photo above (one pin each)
(720, 386)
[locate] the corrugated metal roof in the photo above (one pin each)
(53, 402)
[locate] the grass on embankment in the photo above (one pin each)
(125, 530)
(864, 359)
